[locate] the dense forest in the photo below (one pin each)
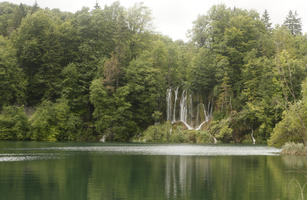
(105, 72)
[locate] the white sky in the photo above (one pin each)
(175, 17)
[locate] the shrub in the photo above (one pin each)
(54, 122)
(14, 124)
(294, 123)
(168, 133)
(291, 148)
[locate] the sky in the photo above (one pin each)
(175, 17)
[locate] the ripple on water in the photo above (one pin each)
(185, 150)
(14, 157)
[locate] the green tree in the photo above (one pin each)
(293, 23)
(39, 53)
(265, 18)
(55, 122)
(14, 124)
(12, 79)
(203, 72)
(112, 113)
(147, 88)
(293, 126)
(11, 16)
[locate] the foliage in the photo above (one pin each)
(12, 79)
(293, 125)
(293, 23)
(221, 130)
(168, 133)
(39, 53)
(54, 122)
(291, 148)
(112, 115)
(14, 124)
(105, 71)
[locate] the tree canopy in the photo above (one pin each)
(104, 72)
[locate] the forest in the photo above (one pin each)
(105, 73)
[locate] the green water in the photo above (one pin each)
(148, 172)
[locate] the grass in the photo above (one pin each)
(291, 148)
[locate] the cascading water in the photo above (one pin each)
(175, 104)
(197, 114)
(252, 136)
(191, 109)
(169, 104)
(208, 112)
(183, 107)
(186, 114)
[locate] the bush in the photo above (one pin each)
(221, 130)
(294, 123)
(168, 133)
(291, 148)
(14, 124)
(54, 122)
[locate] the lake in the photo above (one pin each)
(36, 170)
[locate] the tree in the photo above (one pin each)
(112, 114)
(39, 53)
(77, 78)
(55, 122)
(12, 79)
(266, 20)
(293, 126)
(11, 16)
(203, 73)
(293, 23)
(147, 88)
(14, 124)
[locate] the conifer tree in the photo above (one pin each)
(293, 23)
(266, 20)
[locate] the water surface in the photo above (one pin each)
(30, 170)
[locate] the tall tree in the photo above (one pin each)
(293, 23)
(266, 20)
(39, 53)
(12, 79)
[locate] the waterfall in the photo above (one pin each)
(183, 107)
(199, 127)
(175, 104)
(215, 140)
(191, 108)
(184, 110)
(186, 114)
(208, 111)
(169, 104)
(253, 139)
(103, 139)
(197, 114)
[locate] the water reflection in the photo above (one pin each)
(97, 175)
(235, 178)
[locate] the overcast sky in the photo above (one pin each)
(175, 17)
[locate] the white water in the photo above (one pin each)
(252, 135)
(169, 104)
(183, 107)
(186, 114)
(175, 104)
(201, 125)
(191, 109)
(103, 139)
(187, 150)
